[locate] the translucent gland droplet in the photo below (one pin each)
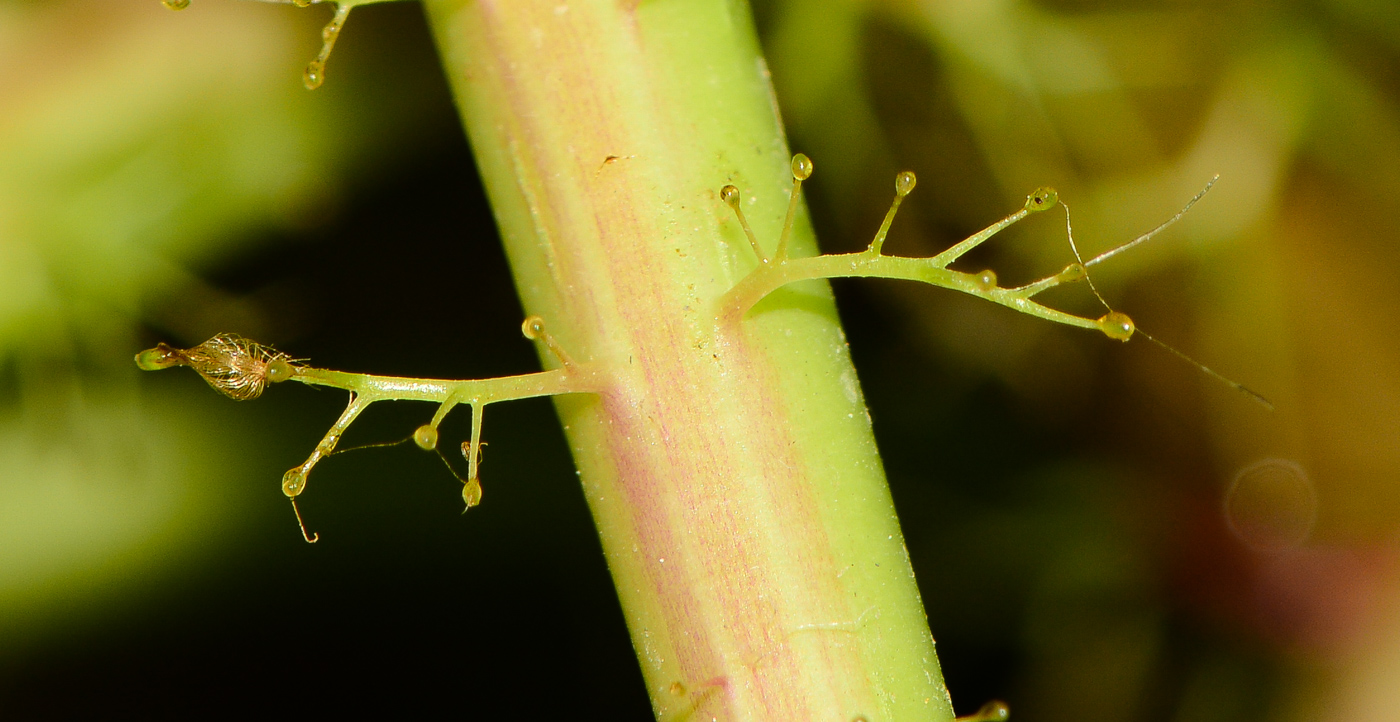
(1073, 272)
(532, 327)
(801, 167)
(1271, 505)
(302, 3)
(175, 4)
(987, 280)
(155, 359)
(426, 437)
(314, 75)
(677, 689)
(1042, 199)
(293, 482)
(471, 493)
(1117, 326)
(730, 195)
(904, 183)
(279, 370)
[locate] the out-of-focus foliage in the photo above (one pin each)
(1100, 481)
(137, 147)
(164, 176)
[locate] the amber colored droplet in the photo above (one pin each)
(426, 437)
(532, 327)
(801, 167)
(987, 280)
(293, 482)
(1117, 326)
(471, 493)
(302, 3)
(1042, 199)
(279, 371)
(314, 75)
(1073, 272)
(175, 4)
(155, 359)
(994, 711)
(904, 183)
(677, 689)
(730, 195)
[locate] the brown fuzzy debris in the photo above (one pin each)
(233, 365)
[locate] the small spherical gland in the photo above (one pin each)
(279, 371)
(1073, 272)
(155, 359)
(471, 493)
(730, 195)
(1042, 199)
(904, 183)
(987, 280)
(994, 711)
(1117, 326)
(532, 327)
(801, 167)
(293, 482)
(314, 75)
(426, 437)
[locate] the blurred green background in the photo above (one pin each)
(1123, 539)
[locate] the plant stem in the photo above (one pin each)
(869, 265)
(728, 463)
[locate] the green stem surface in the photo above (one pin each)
(728, 462)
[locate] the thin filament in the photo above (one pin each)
(781, 254)
(1069, 231)
(1258, 398)
(533, 328)
(952, 254)
(377, 445)
(474, 459)
(1146, 236)
(449, 466)
(753, 240)
(879, 241)
(311, 538)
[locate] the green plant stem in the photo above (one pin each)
(729, 464)
(448, 392)
(869, 265)
(366, 389)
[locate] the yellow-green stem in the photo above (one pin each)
(729, 465)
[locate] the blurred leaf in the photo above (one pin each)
(1280, 278)
(137, 148)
